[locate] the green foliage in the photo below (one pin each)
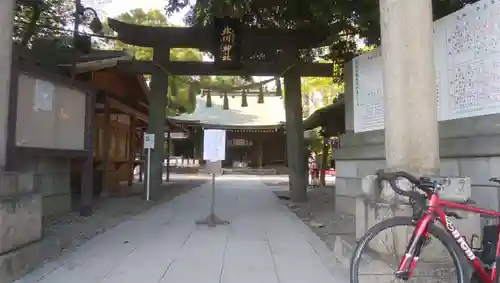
(369, 20)
(327, 87)
(179, 85)
(46, 18)
(316, 142)
(347, 20)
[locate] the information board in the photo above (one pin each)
(149, 141)
(368, 91)
(214, 145)
(467, 63)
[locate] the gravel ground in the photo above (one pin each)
(319, 213)
(67, 232)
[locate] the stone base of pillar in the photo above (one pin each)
(434, 265)
(373, 206)
(21, 227)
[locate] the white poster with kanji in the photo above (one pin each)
(214, 145)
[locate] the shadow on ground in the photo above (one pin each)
(336, 229)
(67, 232)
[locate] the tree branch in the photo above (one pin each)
(32, 25)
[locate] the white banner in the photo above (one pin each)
(214, 145)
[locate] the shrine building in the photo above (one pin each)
(254, 125)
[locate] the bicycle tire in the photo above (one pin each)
(435, 231)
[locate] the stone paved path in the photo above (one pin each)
(264, 243)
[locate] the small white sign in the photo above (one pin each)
(149, 141)
(43, 95)
(214, 145)
(213, 167)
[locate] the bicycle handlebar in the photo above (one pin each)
(418, 182)
(388, 176)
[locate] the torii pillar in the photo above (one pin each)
(156, 121)
(411, 126)
(296, 158)
(6, 24)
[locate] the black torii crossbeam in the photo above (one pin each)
(186, 68)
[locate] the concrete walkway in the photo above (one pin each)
(264, 243)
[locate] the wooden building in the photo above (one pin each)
(255, 133)
(120, 117)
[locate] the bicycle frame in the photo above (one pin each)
(435, 212)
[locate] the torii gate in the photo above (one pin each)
(162, 39)
(409, 85)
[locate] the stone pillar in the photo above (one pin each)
(349, 96)
(411, 137)
(156, 122)
(297, 166)
(6, 24)
(411, 127)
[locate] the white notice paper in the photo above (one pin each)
(43, 95)
(214, 145)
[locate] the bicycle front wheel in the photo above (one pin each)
(380, 250)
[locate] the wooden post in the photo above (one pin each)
(194, 148)
(285, 149)
(169, 147)
(106, 145)
(132, 148)
(197, 145)
(324, 160)
(141, 154)
(297, 167)
(88, 166)
(260, 153)
(6, 23)
(156, 121)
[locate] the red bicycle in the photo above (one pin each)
(431, 219)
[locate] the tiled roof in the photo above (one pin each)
(269, 114)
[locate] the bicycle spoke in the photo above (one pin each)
(384, 252)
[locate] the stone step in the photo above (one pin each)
(249, 171)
